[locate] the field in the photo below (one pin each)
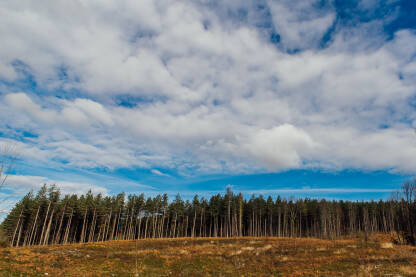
(214, 257)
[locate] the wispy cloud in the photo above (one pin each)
(316, 190)
(159, 173)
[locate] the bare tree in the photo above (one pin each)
(7, 160)
(408, 191)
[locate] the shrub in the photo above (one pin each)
(4, 241)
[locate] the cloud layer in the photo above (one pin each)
(206, 87)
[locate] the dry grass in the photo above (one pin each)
(213, 257)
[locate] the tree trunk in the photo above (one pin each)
(15, 230)
(58, 233)
(44, 223)
(48, 230)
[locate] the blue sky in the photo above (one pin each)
(297, 98)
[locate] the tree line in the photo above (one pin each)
(48, 218)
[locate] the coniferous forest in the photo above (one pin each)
(49, 218)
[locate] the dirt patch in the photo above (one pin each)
(183, 252)
(386, 245)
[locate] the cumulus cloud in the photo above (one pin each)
(281, 147)
(198, 86)
(22, 102)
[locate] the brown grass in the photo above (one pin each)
(213, 257)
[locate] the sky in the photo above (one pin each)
(275, 97)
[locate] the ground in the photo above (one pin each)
(214, 257)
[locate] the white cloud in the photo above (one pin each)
(281, 147)
(208, 92)
(159, 173)
(7, 71)
(83, 110)
(373, 149)
(22, 102)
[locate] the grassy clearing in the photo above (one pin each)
(214, 257)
